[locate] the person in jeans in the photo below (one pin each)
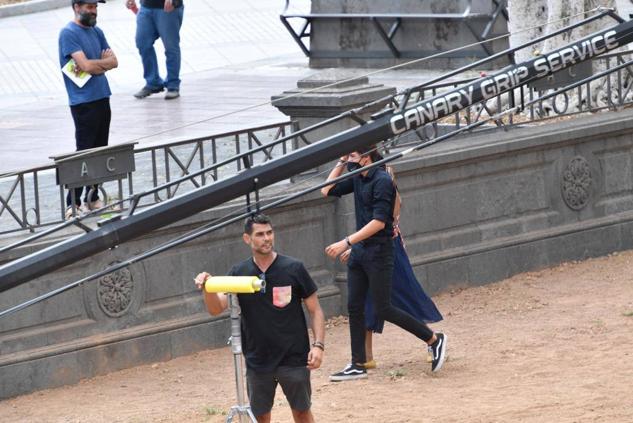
(370, 264)
(274, 331)
(159, 18)
(406, 292)
(82, 41)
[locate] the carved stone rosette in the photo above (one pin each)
(576, 183)
(115, 292)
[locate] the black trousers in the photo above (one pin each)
(92, 129)
(370, 267)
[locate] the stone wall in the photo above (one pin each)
(476, 210)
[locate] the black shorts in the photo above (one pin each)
(294, 381)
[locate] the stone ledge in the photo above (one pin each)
(32, 6)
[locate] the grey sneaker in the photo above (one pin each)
(147, 91)
(172, 94)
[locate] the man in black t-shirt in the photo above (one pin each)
(275, 336)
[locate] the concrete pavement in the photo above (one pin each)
(236, 54)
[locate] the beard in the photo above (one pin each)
(88, 19)
(265, 249)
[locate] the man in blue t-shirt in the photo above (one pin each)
(84, 43)
(275, 336)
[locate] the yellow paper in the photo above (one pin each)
(69, 70)
(234, 284)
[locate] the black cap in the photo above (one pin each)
(87, 1)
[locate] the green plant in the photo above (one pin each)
(213, 411)
(395, 374)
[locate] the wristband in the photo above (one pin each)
(349, 244)
(319, 344)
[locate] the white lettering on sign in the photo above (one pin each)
(503, 81)
(84, 169)
(109, 164)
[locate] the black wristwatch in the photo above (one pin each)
(319, 344)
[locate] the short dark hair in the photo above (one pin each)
(371, 151)
(260, 218)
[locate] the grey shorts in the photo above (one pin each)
(294, 381)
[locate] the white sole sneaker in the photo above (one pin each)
(442, 354)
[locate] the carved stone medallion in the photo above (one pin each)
(576, 183)
(115, 292)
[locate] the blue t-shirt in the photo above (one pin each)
(92, 42)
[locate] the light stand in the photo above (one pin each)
(232, 285)
(242, 408)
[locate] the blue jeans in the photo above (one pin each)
(150, 25)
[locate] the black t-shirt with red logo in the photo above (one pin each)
(274, 329)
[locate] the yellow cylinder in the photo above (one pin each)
(234, 284)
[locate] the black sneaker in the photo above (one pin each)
(147, 91)
(438, 348)
(351, 372)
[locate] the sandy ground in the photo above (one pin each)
(548, 346)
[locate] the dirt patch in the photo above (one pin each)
(554, 345)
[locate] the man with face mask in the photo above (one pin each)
(83, 42)
(370, 265)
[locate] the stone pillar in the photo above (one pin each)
(309, 108)
(312, 107)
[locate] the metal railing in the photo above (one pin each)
(28, 202)
(608, 92)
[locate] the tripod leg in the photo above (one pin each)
(229, 417)
(251, 415)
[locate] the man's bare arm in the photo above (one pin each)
(96, 66)
(335, 173)
(336, 249)
(317, 319)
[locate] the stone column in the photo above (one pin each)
(309, 108)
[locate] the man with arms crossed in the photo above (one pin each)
(85, 43)
(370, 265)
(275, 337)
